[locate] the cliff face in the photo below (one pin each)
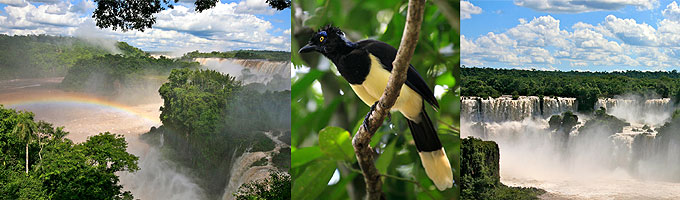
(480, 159)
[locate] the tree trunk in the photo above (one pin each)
(26, 157)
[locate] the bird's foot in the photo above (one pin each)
(368, 115)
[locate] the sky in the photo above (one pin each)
(565, 35)
(230, 25)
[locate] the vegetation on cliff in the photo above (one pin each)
(38, 162)
(111, 74)
(240, 54)
(480, 171)
(210, 119)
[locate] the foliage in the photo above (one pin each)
(210, 119)
(241, 54)
(113, 74)
(322, 100)
(35, 56)
(481, 173)
(585, 86)
(276, 187)
(139, 15)
(58, 168)
(194, 101)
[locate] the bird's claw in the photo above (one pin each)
(368, 115)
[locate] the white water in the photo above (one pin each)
(504, 108)
(274, 74)
(589, 165)
(242, 172)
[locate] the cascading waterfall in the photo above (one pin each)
(505, 108)
(259, 66)
(588, 162)
(242, 170)
(273, 74)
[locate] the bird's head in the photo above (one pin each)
(328, 40)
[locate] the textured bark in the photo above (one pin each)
(362, 138)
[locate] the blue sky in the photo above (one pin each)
(596, 35)
(230, 25)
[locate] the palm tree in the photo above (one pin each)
(25, 128)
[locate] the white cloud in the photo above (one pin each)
(467, 10)
(254, 7)
(672, 11)
(221, 28)
(579, 6)
(16, 3)
(541, 43)
(629, 31)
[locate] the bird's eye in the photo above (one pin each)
(321, 38)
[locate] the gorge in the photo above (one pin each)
(627, 148)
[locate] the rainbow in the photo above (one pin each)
(73, 99)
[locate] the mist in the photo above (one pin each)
(590, 160)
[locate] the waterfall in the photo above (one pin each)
(242, 170)
(505, 108)
(272, 75)
(638, 110)
(256, 65)
(532, 154)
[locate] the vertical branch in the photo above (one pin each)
(362, 138)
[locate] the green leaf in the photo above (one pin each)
(386, 158)
(304, 155)
(336, 143)
(298, 88)
(446, 79)
(314, 180)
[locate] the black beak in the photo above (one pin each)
(307, 48)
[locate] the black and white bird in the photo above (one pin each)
(367, 65)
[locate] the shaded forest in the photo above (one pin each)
(37, 56)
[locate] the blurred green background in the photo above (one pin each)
(325, 110)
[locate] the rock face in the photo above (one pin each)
(505, 108)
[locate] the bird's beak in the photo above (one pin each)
(307, 48)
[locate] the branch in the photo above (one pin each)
(362, 138)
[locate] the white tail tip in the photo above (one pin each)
(438, 168)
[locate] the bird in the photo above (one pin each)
(367, 65)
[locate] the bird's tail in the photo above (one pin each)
(431, 152)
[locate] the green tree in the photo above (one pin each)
(25, 130)
(275, 187)
(67, 170)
